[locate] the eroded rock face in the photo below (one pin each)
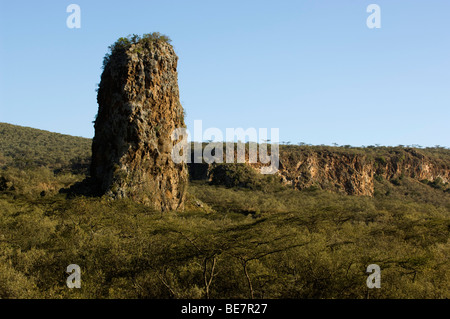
(344, 171)
(139, 108)
(413, 164)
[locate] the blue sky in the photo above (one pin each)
(313, 69)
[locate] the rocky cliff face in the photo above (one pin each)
(139, 108)
(412, 163)
(354, 173)
(347, 171)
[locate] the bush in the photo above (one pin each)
(438, 183)
(124, 43)
(396, 181)
(242, 175)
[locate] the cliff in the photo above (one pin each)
(139, 108)
(350, 171)
(340, 172)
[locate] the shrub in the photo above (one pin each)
(395, 181)
(124, 43)
(242, 175)
(438, 183)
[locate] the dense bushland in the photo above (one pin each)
(249, 239)
(25, 148)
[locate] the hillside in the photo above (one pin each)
(25, 147)
(242, 235)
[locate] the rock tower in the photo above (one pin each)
(139, 108)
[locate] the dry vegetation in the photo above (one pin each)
(251, 239)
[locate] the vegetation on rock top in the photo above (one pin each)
(124, 43)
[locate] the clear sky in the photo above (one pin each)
(311, 68)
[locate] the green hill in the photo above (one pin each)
(25, 147)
